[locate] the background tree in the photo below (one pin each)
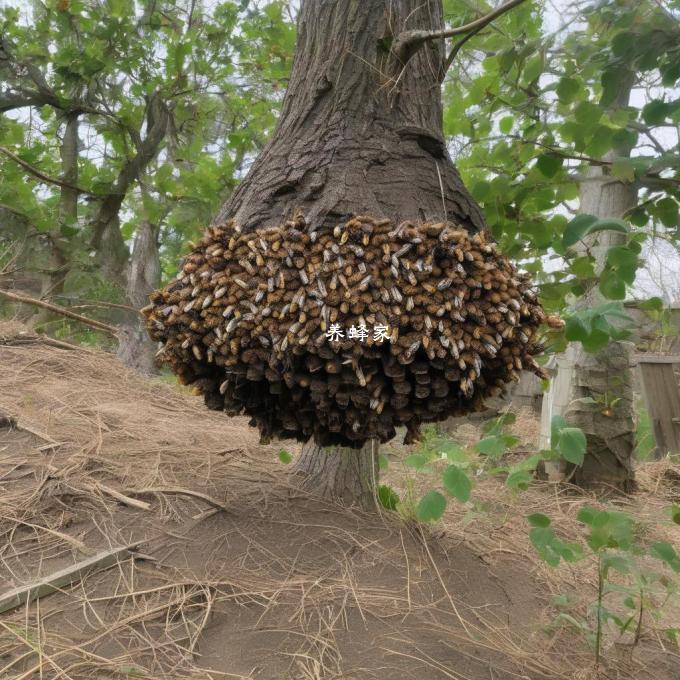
(115, 118)
(579, 118)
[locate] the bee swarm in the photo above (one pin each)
(246, 322)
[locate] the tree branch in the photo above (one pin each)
(15, 100)
(646, 178)
(409, 42)
(454, 52)
(46, 178)
(93, 323)
(157, 117)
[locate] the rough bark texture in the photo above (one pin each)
(340, 473)
(140, 273)
(135, 349)
(359, 133)
(57, 270)
(107, 240)
(610, 433)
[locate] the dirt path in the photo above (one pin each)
(258, 581)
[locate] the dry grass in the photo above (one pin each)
(243, 576)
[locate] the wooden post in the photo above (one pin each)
(662, 398)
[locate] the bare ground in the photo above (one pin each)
(237, 574)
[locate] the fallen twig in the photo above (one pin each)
(57, 309)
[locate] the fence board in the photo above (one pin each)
(662, 396)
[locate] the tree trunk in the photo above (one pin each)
(58, 267)
(603, 376)
(135, 348)
(340, 473)
(359, 133)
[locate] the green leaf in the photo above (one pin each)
(388, 497)
(623, 169)
(417, 460)
(570, 552)
(619, 563)
(431, 507)
(611, 81)
(577, 229)
(583, 267)
(666, 552)
(666, 209)
(543, 539)
(675, 513)
(608, 528)
(519, 480)
(612, 286)
(493, 447)
(600, 141)
(538, 519)
(655, 112)
(583, 225)
(457, 483)
(454, 452)
(510, 440)
(587, 113)
(654, 304)
(533, 69)
(567, 89)
(505, 124)
(481, 190)
(549, 164)
(571, 444)
(285, 457)
(496, 425)
(624, 259)
(586, 515)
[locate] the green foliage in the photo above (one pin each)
(613, 540)
(550, 548)
(457, 483)
(285, 457)
(463, 464)
(595, 326)
(388, 498)
(431, 506)
(584, 225)
(525, 140)
(569, 442)
(217, 69)
(675, 513)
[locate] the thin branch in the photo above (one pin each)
(42, 176)
(454, 52)
(109, 305)
(646, 178)
(93, 323)
(409, 42)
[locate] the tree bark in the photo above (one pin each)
(140, 272)
(360, 133)
(111, 252)
(340, 473)
(58, 267)
(135, 349)
(606, 375)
